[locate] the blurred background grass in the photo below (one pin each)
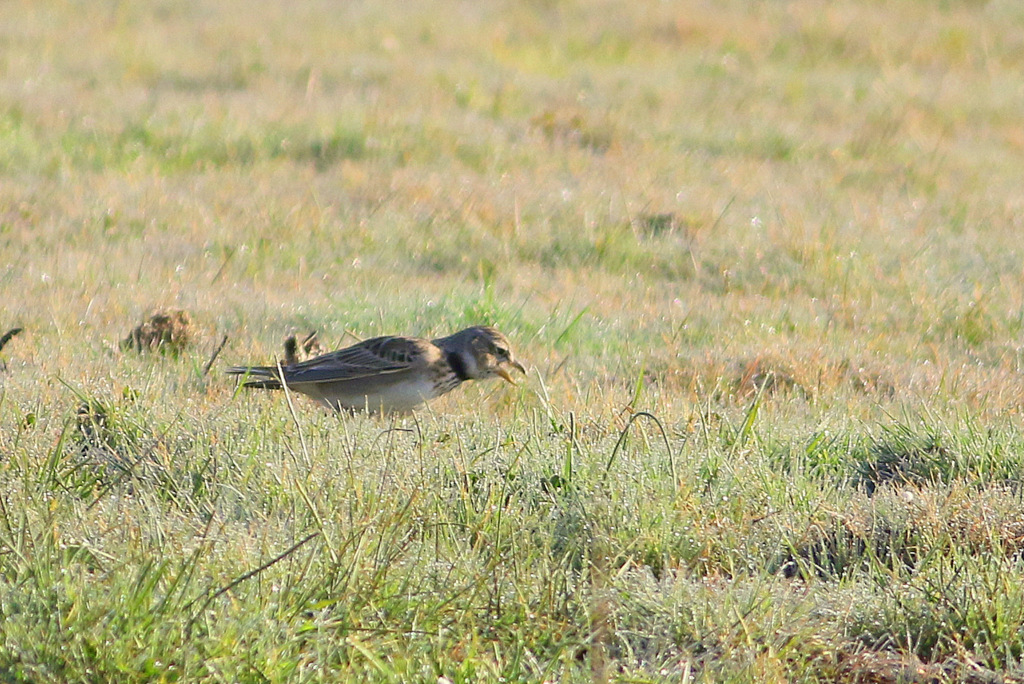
(808, 179)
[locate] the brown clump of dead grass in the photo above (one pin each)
(168, 332)
(887, 667)
(573, 127)
(783, 375)
(772, 375)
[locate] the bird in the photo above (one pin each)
(391, 374)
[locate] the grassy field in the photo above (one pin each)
(763, 261)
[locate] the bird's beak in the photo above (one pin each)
(506, 376)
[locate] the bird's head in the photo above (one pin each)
(484, 353)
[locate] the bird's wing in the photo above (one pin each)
(377, 356)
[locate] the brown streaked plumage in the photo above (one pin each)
(387, 374)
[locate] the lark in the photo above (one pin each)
(391, 374)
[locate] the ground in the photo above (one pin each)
(762, 260)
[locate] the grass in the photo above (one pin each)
(762, 259)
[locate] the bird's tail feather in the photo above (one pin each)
(263, 384)
(265, 377)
